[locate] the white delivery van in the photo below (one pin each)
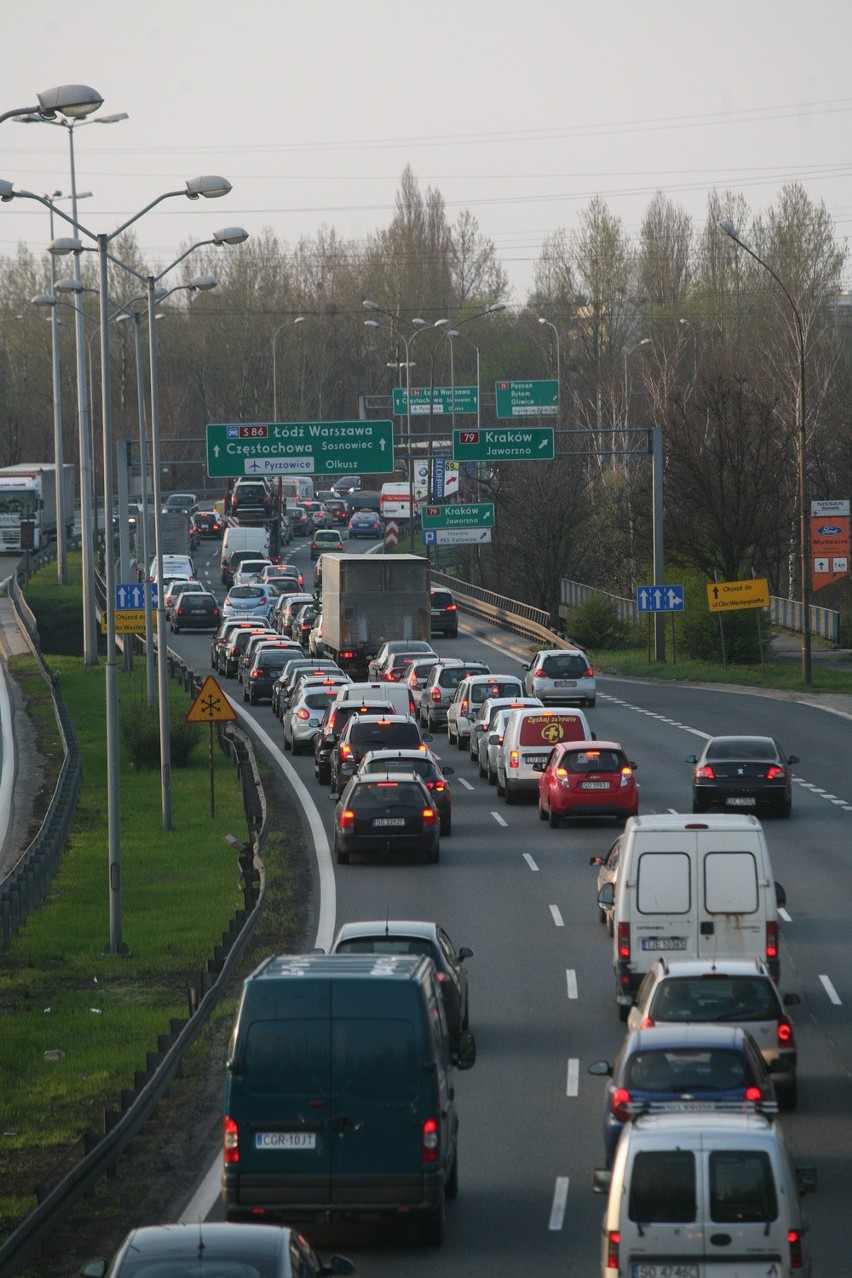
(697, 887)
(243, 537)
(704, 1195)
(395, 501)
(530, 734)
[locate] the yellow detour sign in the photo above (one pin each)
(211, 705)
(726, 596)
(128, 621)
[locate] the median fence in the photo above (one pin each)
(96, 1152)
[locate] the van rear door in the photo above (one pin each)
(732, 919)
(284, 1085)
(666, 910)
(746, 1231)
(384, 1088)
(663, 1233)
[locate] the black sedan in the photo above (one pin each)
(194, 610)
(198, 1248)
(384, 816)
(424, 765)
(408, 936)
(734, 773)
(209, 523)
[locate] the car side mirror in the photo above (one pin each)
(448, 772)
(606, 896)
(601, 1069)
(97, 1268)
(427, 736)
(464, 952)
(493, 738)
(540, 765)
(806, 1179)
(338, 1265)
(601, 1180)
(691, 758)
(465, 1057)
(633, 764)
(791, 1000)
(780, 895)
(793, 758)
(596, 860)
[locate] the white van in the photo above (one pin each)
(395, 501)
(697, 887)
(398, 694)
(530, 735)
(243, 538)
(701, 1194)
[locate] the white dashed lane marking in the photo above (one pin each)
(833, 996)
(530, 862)
(497, 817)
(560, 1202)
(557, 917)
(571, 981)
(784, 915)
(572, 1085)
(463, 781)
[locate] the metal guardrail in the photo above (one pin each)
(786, 613)
(100, 1151)
(511, 614)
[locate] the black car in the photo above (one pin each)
(259, 678)
(385, 816)
(300, 523)
(364, 733)
(735, 773)
(339, 509)
(194, 610)
(445, 617)
(214, 1247)
(209, 523)
(327, 737)
(424, 765)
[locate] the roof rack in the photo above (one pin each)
(638, 1109)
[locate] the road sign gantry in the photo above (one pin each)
(237, 449)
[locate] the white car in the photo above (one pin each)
(173, 566)
(491, 741)
(251, 571)
(470, 693)
(561, 676)
(481, 726)
(418, 673)
(316, 647)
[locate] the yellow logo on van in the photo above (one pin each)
(548, 729)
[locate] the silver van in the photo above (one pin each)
(704, 1195)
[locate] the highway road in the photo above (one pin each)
(542, 1007)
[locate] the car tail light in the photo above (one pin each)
(348, 655)
(772, 940)
(429, 1141)
(438, 786)
(775, 773)
(753, 1094)
(626, 776)
(411, 706)
(648, 1022)
(794, 1238)
(705, 774)
(256, 674)
(514, 759)
(393, 676)
(619, 1103)
(463, 706)
(613, 1243)
(539, 674)
(436, 694)
(624, 940)
(450, 608)
(786, 1038)
(590, 673)
(347, 819)
(302, 714)
(345, 751)
(231, 1142)
(428, 816)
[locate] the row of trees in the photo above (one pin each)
(678, 329)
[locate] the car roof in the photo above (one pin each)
(560, 652)
(377, 717)
(390, 755)
(689, 1035)
(370, 778)
(691, 1124)
(712, 967)
(170, 1242)
(661, 821)
(387, 927)
(590, 745)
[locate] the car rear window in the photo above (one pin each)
(371, 795)
(441, 599)
(453, 675)
(391, 736)
(422, 766)
(687, 1069)
(742, 1186)
(385, 945)
(196, 603)
(499, 688)
(593, 760)
(742, 748)
(715, 998)
(549, 729)
(287, 1056)
(662, 1186)
(566, 665)
(319, 700)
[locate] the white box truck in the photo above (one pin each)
(28, 504)
(368, 599)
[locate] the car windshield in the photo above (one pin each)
(564, 665)
(715, 998)
(742, 748)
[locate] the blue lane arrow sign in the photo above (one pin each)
(131, 596)
(660, 598)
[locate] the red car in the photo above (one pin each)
(587, 778)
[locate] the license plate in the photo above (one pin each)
(747, 801)
(529, 759)
(564, 683)
(594, 785)
(385, 821)
(663, 1271)
(285, 1140)
(664, 943)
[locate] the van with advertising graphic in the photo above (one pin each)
(530, 735)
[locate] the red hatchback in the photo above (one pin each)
(587, 778)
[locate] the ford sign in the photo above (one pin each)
(829, 530)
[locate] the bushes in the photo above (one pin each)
(140, 732)
(595, 623)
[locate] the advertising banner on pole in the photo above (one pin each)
(829, 542)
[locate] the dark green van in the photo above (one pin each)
(339, 1099)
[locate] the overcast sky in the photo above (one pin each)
(519, 112)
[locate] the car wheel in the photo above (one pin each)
(788, 1096)
(590, 702)
(785, 808)
(296, 746)
(245, 693)
(542, 814)
(447, 826)
(553, 818)
(610, 926)
(433, 856)
(483, 772)
(491, 775)
(452, 1187)
(623, 1012)
(462, 742)
(509, 794)
(431, 1225)
(252, 699)
(451, 740)
(499, 786)
(341, 857)
(287, 744)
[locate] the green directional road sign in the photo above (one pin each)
(466, 398)
(458, 514)
(505, 443)
(298, 448)
(526, 399)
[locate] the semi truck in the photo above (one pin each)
(28, 504)
(368, 599)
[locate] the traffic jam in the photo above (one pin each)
(435, 739)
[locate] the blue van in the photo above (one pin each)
(338, 1095)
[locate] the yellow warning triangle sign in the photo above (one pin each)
(211, 705)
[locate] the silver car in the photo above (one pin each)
(301, 720)
(561, 676)
(491, 742)
(481, 725)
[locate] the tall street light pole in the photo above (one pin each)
(75, 103)
(209, 187)
(300, 319)
(801, 452)
(70, 99)
(550, 324)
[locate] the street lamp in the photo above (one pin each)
(550, 324)
(210, 187)
(70, 99)
(644, 342)
(75, 102)
(300, 319)
(801, 451)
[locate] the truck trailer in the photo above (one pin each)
(368, 599)
(28, 505)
